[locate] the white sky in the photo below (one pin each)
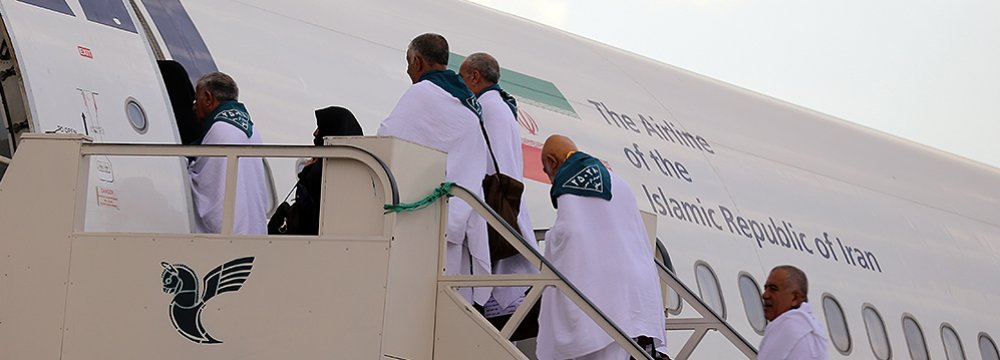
(928, 71)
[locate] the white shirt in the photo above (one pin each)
(208, 185)
(794, 335)
(430, 116)
(603, 249)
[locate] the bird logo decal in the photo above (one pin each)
(185, 309)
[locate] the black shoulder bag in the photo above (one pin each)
(503, 194)
(287, 217)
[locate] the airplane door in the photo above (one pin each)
(86, 67)
(14, 118)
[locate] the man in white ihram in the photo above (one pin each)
(481, 73)
(440, 112)
(600, 244)
(225, 120)
(793, 332)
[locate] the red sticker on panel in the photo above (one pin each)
(85, 52)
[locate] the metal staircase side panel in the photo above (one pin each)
(361, 293)
(414, 258)
(461, 333)
(36, 218)
(302, 298)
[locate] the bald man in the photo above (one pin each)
(440, 112)
(793, 331)
(600, 244)
(481, 73)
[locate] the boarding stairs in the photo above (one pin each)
(369, 286)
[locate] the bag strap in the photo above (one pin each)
(290, 192)
(482, 125)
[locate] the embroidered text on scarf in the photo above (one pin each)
(231, 112)
(582, 175)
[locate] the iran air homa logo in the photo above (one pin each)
(186, 306)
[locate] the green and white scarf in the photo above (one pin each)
(452, 83)
(582, 175)
(507, 98)
(231, 112)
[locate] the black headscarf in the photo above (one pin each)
(335, 121)
(330, 121)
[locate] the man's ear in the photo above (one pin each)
(552, 163)
(799, 297)
(418, 63)
(549, 161)
(209, 97)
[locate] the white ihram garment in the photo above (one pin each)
(794, 335)
(601, 247)
(505, 139)
(208, 185)
(430, 116)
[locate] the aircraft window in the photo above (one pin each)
(752, 303)
(952, 345)
(988, 348)
(708, 288)
(674, 303)
(877, 336)
(914, 338)
(108, 12)
(136, 115)
(837, 324)
(55, 5)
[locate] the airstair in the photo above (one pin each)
(369, 286)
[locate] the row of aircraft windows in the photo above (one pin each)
(836, 321)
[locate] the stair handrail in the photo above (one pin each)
(536, 258)
(709, 321)
(232, 153)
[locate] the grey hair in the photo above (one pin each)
(432, 47)
(220, 85)
(796, 279)
(486, 65)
